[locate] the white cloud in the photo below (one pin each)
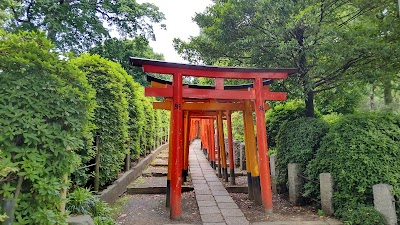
(179, 14)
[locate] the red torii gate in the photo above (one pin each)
(177, 92)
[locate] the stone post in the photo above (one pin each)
(384, 202)
(326, 189)
(295, 183)
(272, 159)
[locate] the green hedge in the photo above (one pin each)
(359, 151)
(298, 142)
(276, 116)
(111, 114)
(46, 105)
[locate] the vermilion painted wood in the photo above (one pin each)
(205, 106)
(177, 148)
(212, 134)
(265, 179)
(216, 74)
(190, 93)
(186, 140)
(230, 141)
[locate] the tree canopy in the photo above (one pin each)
(78, 25)
(330, 42)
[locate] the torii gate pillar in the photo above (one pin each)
(177, 148)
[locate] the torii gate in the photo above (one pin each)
(177, 92)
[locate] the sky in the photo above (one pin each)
(179, 14)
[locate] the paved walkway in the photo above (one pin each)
(215, 204)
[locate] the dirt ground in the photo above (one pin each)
(151, 210)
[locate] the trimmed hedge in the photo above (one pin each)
(276, 116)
(298, 142)
(111, 114)
(46, 105)
(359, 151)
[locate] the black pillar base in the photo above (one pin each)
(168, 194)
(232, 175)
(257, 190)
(250, 185)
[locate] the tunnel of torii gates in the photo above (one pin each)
(194, 108)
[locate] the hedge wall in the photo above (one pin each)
(359, 151)
(46, 106)
(298, 142)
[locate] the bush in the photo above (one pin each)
(298, 142)
(149, 129)
(134, 92)
(237, 126)
(275, 117)
(111, 115)
(46, 106)
(363, 215)
(82, 202)
(359, 151)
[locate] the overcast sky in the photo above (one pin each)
(179, 23)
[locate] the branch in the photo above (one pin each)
(325, 89)
(338, 71)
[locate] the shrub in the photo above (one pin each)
(359, 151)
(332, 118)
(237, 126)
(275, 117)
(82, 202)
(298, 142)
(149, 129)
(111, 115)
(134, 92)
(46, 106)
(363, 215)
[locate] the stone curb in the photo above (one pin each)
(112, 193)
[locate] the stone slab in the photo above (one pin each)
(212, 218)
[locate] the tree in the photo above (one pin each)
(322, 39)
(78, 25)
(120, 50)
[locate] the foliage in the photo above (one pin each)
(82, 202)
(276, 116)
(111, 115)
(332, 118)
(135, 123)
(328, 42)
(79, 25)
(298, 142)
(363, 215)
(46, 106)
(121, 50)
(361, 150)
(237, 126)
(149, 129)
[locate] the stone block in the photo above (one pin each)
(236, 150)
(272, 165)
(326, 189)
(384, 202)
(296, 183)
(80, 220)
(212, 218)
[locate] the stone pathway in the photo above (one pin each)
(215, 204)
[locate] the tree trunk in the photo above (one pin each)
(387, 91)
(372, 98)
(310, 104)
